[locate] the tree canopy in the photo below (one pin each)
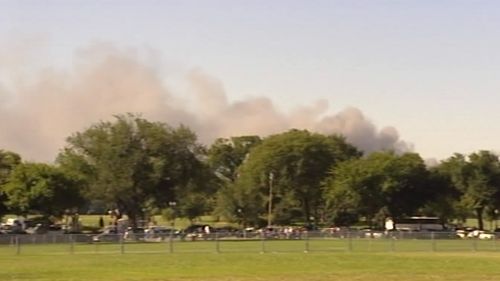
(477, 178)
(139, 166)
(42, 189)
(377, 186)
(134, 163)
(226, 155)
(292, 164)
(8, 161)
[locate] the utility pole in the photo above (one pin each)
(270, 205)
(496, 219)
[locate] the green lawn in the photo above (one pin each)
(410, 260)
(254, 266)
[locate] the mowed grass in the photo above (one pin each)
(254, 266)
(243, 261)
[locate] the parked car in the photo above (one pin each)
(134, 233)
(197, 231)
(371, 233)
(467, 232)
(486, 235)
(158, 233)
(14, 226)
(109, 234)
(37, 229)
(461, 233)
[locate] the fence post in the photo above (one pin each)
(433, 241)
(306, 249)
(18, 245)
(71, 244)
(393, 243)
(263, 240)
(122, 245)
(474, 244)
(217, 246)
(370, 244)
(171, 242)
(349, 241)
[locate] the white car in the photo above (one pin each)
(474, 234)
(485, 235)
(481, 234)
(461, 234)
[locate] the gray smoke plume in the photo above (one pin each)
(39, 109)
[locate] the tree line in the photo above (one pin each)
(141, 168)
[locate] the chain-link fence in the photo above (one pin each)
(310, 241)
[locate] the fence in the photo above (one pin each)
(49, 244)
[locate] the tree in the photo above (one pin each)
(444, 200)
(380, 185)
(8, 161)
(294, 163)
(42, 189)
(477, 178)
(408, 187)
(350, 192)
(240, 202)
(226, 155)
(194, 204)
(135, 164)
(484, 184)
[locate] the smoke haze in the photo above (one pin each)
(39, 109)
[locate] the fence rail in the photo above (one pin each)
(358, 241)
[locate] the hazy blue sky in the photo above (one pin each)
(428, 68)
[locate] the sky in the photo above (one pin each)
(406, 75)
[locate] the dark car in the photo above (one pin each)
(228, 231)
(158, 233)
(195, 231)
(134, 233)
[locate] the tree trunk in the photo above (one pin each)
(479, 214)
(132, 220)
(307, 211)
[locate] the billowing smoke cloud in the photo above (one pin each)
(38, 110)
(260, 116)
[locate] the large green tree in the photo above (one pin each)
(477, 178)
(444, 199)
(135, 164)
(286, 171)
(224, 157)
(379, 185)
(8, 161)
(42, 189)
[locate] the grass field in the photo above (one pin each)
(283, 260)
(254, 266)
